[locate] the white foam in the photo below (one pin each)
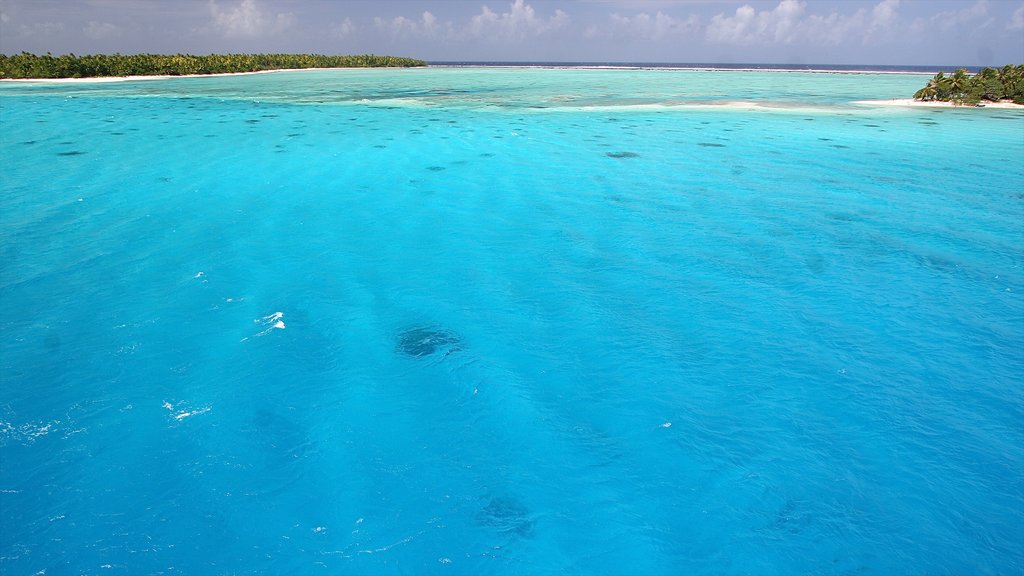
(186, 413)
(127, 349)
(71, 433)
(272, 321)
(405, 540)
(26, 433)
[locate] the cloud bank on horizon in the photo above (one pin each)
(937, 32)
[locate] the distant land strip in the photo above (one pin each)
(25, 65)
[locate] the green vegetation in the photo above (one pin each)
(27, 65)
(1006, 83)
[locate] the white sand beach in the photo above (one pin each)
(102, 79)
(910, 102)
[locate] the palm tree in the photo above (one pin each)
(1006, 75)
(985, 85)
(1009, 77)
(959, 85)
(936, 89)
(27, 65)
(927, 93)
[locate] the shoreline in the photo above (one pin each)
(911, 103)
(677, 68)
(104, 79)
(730, 104)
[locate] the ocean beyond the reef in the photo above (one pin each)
(510, 320)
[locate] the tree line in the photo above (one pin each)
(991, 84)
(27, 65)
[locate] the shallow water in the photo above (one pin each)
(519, 90)
(509, 321)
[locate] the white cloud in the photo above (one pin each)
(100, 30)
(830, 30)
(429, 22)
(249, 19)
(749, 26)
(343, 29)
(643, 26)
(958, 19)
(868, 26)
(519, 22)
(884, 16)
(788, 23)
(39, 29)
(1017, 20)
(4, 18)
(402, 27)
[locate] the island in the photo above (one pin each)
(31, 66)
(990, 85)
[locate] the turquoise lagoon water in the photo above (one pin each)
(509, 321)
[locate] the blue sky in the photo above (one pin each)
(927, 32)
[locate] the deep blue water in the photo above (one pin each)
(380, 322)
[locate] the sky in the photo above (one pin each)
(908, 32)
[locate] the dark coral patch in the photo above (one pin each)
(71, 153)
(622, 154)
(506, 515)
(420, 342)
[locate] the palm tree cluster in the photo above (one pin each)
(1006, 83)
(27, 65)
